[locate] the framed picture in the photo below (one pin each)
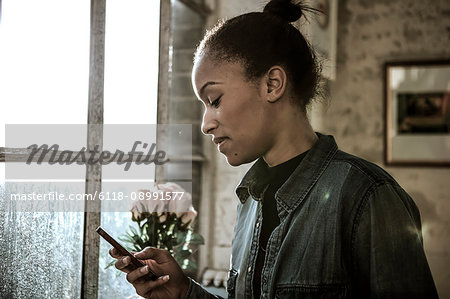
(417, 108)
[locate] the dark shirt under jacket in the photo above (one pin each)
(270, 180)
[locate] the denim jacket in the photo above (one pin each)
(347, 230)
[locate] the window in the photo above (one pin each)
(45, 80)
(44, 58)
(52, 73)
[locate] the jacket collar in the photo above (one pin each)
(295, 189)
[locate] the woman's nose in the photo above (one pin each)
(209, 123)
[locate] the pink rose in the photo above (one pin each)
(149, 204)
(180, 201)
(164, 199)
(189, 216)
(138, 211)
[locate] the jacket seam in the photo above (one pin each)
(324, 166)
(253, 254)
(374, 178)
(360, 210)
(278, 239)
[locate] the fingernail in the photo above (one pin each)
(144, 269)
(165, 277)
(126, 260)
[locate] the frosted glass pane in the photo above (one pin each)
(44, 59)
(41, 253)
(131, 61)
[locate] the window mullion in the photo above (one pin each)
(164, 81)
(91, 241)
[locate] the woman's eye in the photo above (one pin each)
(216, 102)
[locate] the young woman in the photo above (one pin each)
(313, 221)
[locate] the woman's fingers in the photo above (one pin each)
(123, 262)
(114, 253)
(145, 289)
(135, 275)
(142, 285)
(160, 262)
(139, 275)
(160, 255)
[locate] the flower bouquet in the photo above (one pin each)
(164, 215)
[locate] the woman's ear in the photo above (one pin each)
(276, 83)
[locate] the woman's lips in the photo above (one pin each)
(220, 141)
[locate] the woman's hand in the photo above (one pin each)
(171, 282)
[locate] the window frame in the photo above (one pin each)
(91, 240)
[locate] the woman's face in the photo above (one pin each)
(237, 114)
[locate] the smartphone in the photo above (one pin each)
(137, 263)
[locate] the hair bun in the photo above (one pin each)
(284, 9)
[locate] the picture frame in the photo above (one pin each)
(417, 113)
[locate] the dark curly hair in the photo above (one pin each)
(260, 40)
